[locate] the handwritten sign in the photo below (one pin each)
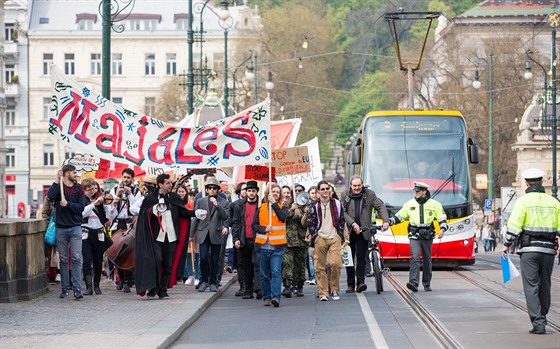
(81, 119)
(83, 162)
(309, 178)
(289, 161)
(258, 173)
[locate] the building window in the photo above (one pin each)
(117, 100)
(69, 64)
(10, 72)
(150, 65)
(11, 157)
(85, 24)
(181, 24)
(150, 106)
(46, 107)
(135, 24)
(171, 63)
(68, 153)
(117, 64)
(218, 61)
(10, 115)
(96, 64)
(48, 154)
(9, 29)
(150, 24)
(47, 61)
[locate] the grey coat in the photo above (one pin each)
(369, 201)
(213, 223)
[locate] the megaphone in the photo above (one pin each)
(161, 206)
(302, 198)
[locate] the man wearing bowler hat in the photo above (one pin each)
(421, 212)
(243, 213)
(535, 224)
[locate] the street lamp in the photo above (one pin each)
(248, 75)
(476, 84)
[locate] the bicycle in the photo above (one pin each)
(375, 259)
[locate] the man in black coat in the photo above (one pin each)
(157, 231)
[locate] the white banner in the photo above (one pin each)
(84, 120)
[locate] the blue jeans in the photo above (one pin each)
(189, 267)
(310, 267)
(70, 237)
(270, 264)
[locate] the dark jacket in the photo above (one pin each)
(369, 201)
(70, 215)
(238, 223)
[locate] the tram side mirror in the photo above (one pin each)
(356, 155)
(473, 151)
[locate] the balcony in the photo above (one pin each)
(11, 90)
(11, 51)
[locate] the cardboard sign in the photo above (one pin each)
(289, 161)
(258, 173)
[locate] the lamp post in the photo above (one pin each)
(249, 75)
(549, 82)
(476, 84)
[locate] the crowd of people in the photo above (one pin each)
(185, 236)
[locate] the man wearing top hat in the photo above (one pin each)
(421, 212)
(535, 224)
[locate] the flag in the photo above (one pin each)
(509, 271)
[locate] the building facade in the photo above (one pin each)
(151, 50)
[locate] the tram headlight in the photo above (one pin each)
(461, 227)
(467, 221)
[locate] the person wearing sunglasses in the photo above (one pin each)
(210, 232)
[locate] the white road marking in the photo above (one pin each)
(374, 330)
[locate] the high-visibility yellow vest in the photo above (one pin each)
(278, 234)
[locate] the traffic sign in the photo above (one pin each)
(488, 204)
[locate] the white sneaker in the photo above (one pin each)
(57, 278)
(335, 296)
(312, 282)
(189, 281)
(196, 282)
(324, 299)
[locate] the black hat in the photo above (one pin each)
(192, 191)
(252, 185)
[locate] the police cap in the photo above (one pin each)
(419, 186)
(533, 174)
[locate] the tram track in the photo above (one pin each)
(436, 328)
(499, 266)
(498, 293)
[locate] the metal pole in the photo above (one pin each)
(190, 75)
(226, 102)
(256, 81)
(554, 121)
(410, 76)
(106, 50)
(490, 135)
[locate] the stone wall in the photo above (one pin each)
(22, 259)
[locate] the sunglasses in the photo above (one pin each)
(298, 190)
(324, 189)
(212, 188)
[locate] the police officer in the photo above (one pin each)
(535, 223)
(421, 212)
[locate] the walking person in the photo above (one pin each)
(421, 212)
(210, 231)
(295, 255)
(535, 224)
(313, 195)
(326, 225)
(243, 214)
(94, 239)
(269, 225)
(69, 203)
(241, 193)
(359, 204)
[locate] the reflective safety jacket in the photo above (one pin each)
(421, 214)
(278, 234)
(534, 222)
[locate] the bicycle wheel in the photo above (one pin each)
(377, 271)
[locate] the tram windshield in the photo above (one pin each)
(402, 149)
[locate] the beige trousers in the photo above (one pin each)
(327, 250)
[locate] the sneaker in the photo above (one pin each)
(427, 288)
(203, 287)
(258, 294)
(350, 289)
(196, 282)
(239, 293)
(412, 287)
(335, 296)
(229, 269)
(247, 296)
(152, 294)
(63, 294)
(275, 302)
(97, 290)
(323, 298)
(189, 281)
(78, 294)
(163, 295)
(213, 288)
(313, 282)
(267, 303)
(361, 288)
(57, 278)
